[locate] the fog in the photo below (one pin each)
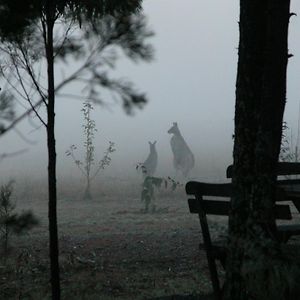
(191, 81)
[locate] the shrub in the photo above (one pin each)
(11, 222)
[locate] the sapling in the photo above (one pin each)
(11, 222)
(86, 166)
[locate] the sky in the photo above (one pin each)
(191, 81)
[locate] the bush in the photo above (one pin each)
(11, 222)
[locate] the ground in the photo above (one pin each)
(110, 248)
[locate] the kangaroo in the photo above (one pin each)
(150, 164)
(183, 158)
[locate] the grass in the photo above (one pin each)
(109, 249)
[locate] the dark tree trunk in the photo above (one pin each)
(260, 102)
(52, 210)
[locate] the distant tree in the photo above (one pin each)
(256, 267)
(61, 31)
(86, 166)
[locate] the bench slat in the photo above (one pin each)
(209, 189)
(284, 168)
(294, 229)
(288, 230)
(220, 190)
(288, 182)
(221, 208)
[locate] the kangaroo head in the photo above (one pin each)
(174, 129)
(152, 146)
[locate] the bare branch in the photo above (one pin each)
(20, 118)
(32, 76)
(70, 152)
(73, 96)
(7, 155)
(28, 98)
(128, 36)
(105, 161)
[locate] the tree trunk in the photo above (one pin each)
(260, 102)
(52, 210)
(87, 193)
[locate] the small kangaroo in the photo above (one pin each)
(150, 164)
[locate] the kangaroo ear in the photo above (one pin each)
(154, 142)
(149, 143)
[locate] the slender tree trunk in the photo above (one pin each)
(88, 158)
(260, 102)
(87, 193)
(52, 212)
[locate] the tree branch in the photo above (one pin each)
(5, 155)
(28, 98)
(32, 76)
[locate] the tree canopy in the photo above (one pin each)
(16, 17)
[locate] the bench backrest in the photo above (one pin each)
(283, 168)
(221, 207)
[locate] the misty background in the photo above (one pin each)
(191, 81)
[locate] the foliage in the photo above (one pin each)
(11, 222)
(89, 129)
(149, 185)
(97, 45)
(7, 114)
(18, 17)
(6, 109)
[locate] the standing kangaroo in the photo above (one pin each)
(150, 164)
(183, 159)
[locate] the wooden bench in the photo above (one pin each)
(220, 207)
